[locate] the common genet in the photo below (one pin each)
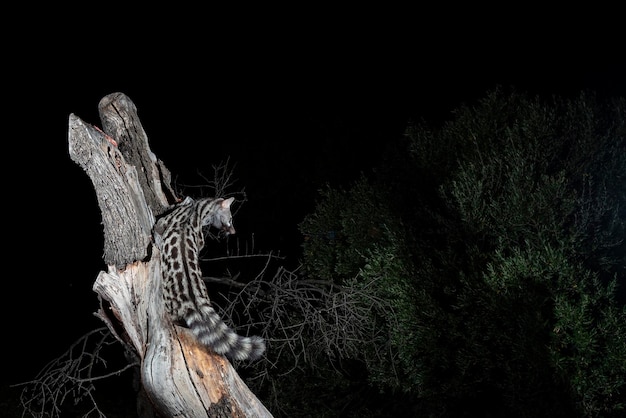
(181, 237)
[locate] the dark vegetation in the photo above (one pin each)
(486, 260)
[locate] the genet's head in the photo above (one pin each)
(224, 218)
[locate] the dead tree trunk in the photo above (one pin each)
(179, 377)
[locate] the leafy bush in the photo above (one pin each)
(495, 247)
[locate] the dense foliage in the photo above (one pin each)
(490, 254)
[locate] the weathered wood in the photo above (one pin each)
(126, 218)
(120, 121)
(179, 377)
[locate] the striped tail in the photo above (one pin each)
(212, 331)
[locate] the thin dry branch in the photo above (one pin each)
(71, 377)
(220, 184)
(305, 319)
(222, 178)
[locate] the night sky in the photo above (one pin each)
(291, 117)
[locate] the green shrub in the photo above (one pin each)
(495, 249)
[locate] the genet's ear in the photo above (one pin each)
(227, 202)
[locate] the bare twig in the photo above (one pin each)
(303, 319)
(71, 376)
(222, 178)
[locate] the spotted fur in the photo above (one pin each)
(181, 238)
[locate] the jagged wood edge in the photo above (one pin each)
(126, 220)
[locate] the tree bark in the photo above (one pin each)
(179, 377)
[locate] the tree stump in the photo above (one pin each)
(179, 377)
